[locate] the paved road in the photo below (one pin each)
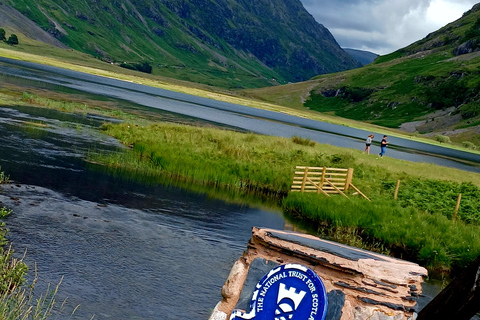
(252, 119)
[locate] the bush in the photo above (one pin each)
(442, 139)
(12, 40)
(142, 67)
(469, 145)
(2, 34)
(445, 93)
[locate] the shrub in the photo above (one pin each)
(2, 34)
(12, 40)
(142, 67)
(442, 139)
(469, 145)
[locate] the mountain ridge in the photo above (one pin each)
(232, 43)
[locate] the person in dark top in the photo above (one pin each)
(383, 146)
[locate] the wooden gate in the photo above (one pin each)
(324, 180)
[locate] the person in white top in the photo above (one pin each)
(368, 143)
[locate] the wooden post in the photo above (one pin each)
(395, 195)
(460, 300)
(305, 174)
(348, 182)
(322, 179)
(457, 207)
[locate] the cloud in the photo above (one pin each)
(383, 26)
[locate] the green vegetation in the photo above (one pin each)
(12, 40)
(263, 166)
(72, 107)
(429, 238)
(442, 139)
(303, 141)
(142, 67)
(418, 225)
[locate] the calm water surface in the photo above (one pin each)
(124, 250)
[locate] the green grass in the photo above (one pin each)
(418, 225)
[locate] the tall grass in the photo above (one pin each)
(431, 239)
(417, 226)
(17, 300)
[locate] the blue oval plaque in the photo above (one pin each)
(288, 292)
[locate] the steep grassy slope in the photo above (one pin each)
(433, 83)
(226, 43)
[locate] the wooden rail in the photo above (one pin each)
(324, 180)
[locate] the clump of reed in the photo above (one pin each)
(3, 177)
(303, 141)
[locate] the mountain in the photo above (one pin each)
(364, 57)
(226, 43)
(430, 87)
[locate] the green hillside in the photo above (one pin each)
(224, 43)
(430, 87)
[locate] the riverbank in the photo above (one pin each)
(264, 165)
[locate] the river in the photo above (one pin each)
(246, 118)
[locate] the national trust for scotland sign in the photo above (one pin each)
(288, 292)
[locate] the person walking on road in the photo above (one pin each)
(383, 146)
(368, 143)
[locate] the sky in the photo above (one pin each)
(384, 26)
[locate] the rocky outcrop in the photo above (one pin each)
(13, 20)
(467, 47)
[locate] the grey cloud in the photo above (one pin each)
(382, 25)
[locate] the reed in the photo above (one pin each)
(246, 162)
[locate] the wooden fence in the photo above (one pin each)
(324, 180)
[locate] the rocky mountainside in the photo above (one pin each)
(233, 43)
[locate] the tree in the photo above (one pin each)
(12, 40)
(2, 34)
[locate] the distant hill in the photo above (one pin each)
(431, 87)
(364, 57)
(226, 43)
